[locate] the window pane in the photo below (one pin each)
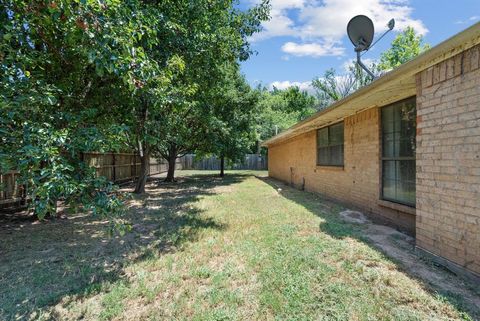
(407, 129)
(336, 155)
(398, 151)
(389, 171)
(406, 171)
(407, 126)
(330, 145)
(336, 134)
(387, 120)
(405, 147)
(322, 137)
(389, 186)
(405, 193)
(324, 156)
(388, 149)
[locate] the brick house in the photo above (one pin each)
(405, 149)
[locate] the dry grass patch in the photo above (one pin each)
(205, 248)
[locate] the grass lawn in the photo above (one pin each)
(205, 248)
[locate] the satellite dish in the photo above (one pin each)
(360, 31)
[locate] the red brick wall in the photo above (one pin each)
(448, 159)
(357, 183)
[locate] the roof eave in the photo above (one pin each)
(446, 49)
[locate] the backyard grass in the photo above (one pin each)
(206, 248)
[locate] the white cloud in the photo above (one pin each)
(469, 20)
(350, 62)
(312, 49)
(305, 85)
(321, 25)
(330, 19)
(279, 25)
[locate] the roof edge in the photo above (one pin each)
(443, 50)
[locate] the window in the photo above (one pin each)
(330, 145)
(398, 152)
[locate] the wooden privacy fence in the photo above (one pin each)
(123, 167)
(11, 193)
(117, 167)
(120, 167)
(250, 162)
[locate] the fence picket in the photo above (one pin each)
(117, 167)
(122, 167)
(251, 162)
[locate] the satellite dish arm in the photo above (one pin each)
(360, 63)
(391, 25)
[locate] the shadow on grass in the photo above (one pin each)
(334, 226)
(41, 263)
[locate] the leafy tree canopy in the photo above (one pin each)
(281, 109)
(406, 46)
(218, 33)
(84, 75)
(232, 122)
(59, 63)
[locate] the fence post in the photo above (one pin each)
(2, 189)
(114, 167)
(134, 165)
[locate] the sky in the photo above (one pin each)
(304, 38)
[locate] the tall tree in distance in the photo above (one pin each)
(232, 123)
(280, 109)
(332, 87)
(406, 46)
(215, 35)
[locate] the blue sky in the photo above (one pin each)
(306, 37)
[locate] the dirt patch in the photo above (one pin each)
(401, 248)
(354, 217)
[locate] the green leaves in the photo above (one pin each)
(87, 75)
(232, 121)
(406, 46)
(280, 109)
(48, 90)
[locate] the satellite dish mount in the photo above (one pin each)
(360, 30)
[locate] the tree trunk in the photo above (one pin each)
(222, 166)
(172, 158)
(144, 169)
(143, 150)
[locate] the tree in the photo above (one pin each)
(215, 36)
(232, 121)
(60, 62)
(150, 80)
(406, 46)
(280, 109)
(332, 87)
